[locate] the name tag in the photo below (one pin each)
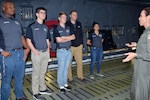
(36, 29)
(7, 22)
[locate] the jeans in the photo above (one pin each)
(64, 58)
(1, 63)
(96, 54)
(14, 66)
(0, 73)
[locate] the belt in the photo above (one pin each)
(42, 50)
(16, 49)
(96, 47)
(64, 48)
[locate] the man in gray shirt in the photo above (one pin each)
(38, 40)
(11, 51)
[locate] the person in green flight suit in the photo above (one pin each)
(141, 76)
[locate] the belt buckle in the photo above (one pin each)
(42, 50)
(94, 47)
(16, 49)
(65, 48)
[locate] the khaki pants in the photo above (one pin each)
(77, 53)
(39, 64)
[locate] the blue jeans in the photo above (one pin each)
(64, 58)
(13, 66)
(96, 55)
(0, 72)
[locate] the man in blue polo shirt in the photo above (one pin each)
(38, 40)
(63, 37)
(11, 51)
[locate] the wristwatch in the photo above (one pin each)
(1, 50)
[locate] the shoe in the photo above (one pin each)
(67, 88)
(81, 79)
(38, 97)
(70, 81)
(23, 98)
(62, 90)
(91, 77)
(100, 75)
(46, 92)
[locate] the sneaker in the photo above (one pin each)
(100, 75)
(38, 97)
(67, 88)
(62, 90)
(91, 77)
(45, 92)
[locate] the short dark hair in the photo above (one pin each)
(40, 8)
(147, 11)
(94, 23)
(6, 1)
(62, 13)
(73, 11)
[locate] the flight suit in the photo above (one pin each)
(141, 76)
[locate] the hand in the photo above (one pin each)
(129, 57)
(133, 44)
(26, 52)
(5, 53)
(36, 53)
(48, 49)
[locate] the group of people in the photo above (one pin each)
(15, 45)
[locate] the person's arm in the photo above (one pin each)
(48, 44)
(4, 53)
(102, 37)
(48, 40)
(26, 47)
(61, 39)
(29, 37)
(145, 55)
(65, 38)
(32, 47)
(88, 42)
(89, 39)
(82, 33)
(132, 44)
(130, 56)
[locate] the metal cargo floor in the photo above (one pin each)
(115, 85)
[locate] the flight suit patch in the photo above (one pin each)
(148, 37)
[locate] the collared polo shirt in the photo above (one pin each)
(38, 33)
(60, 31)
(96, 40)
(10, 33)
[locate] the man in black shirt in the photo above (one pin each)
(77, 44)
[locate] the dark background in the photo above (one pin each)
(119, 15)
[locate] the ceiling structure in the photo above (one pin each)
(127, 2)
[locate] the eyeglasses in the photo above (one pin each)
(42, 12)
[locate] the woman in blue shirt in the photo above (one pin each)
(95, 40)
